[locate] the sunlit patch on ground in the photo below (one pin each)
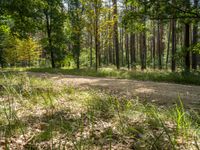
(43, 114)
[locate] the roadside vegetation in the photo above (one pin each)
(181, 77)
(37, 113)
(192, 78)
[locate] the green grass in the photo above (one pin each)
(40, 114)
(149, 75)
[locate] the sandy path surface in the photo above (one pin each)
(159, 93)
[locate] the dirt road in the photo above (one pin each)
(159, 93)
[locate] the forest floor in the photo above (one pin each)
(41, 111)
(163, 94)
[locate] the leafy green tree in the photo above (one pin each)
(54, 14)
(23, 52)
(75, 17)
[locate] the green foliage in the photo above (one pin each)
(196, 48)
(25, 52)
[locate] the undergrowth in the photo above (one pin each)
(37, 113)
(192, 78)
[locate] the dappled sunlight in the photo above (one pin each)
(61, 115)
(153, 92)
(144, 90)
(99, 75)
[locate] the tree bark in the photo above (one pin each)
(97, 33)
(91, 47)
(187, 41)
(195, 38)
(159, 46)
(48, 28)
(168, 44)
(132, 50)
(187, 45)
(127, 50)
(154, 46)
(143, 50)
(173, 67)
(116, 40)
(122, 45)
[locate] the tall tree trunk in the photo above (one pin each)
(187, 41)
(151, 50)
(116, 40)
(143, 49)
(173, 67)
(91, 47)
(113, 52)
(97, 33)
(100, 50)
(110, 52)
(78, 47)
(122, 45)
(154, 45)
(132, 50)
(48, 28)
(187, 45)
(159, 46)
(195, 38)
(127, 50)
(168, 44)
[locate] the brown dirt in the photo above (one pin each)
(159, 93)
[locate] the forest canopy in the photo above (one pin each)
(95, 33)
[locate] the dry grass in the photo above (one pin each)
(39, 114)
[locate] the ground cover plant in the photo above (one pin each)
(148, 75)
(37, 113)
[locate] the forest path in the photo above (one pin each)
(148, 91)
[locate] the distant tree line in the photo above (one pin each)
(94, 33)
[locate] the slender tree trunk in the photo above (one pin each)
(194, 55)
(168, 44)
(116, 40)
(173, 67)
(151, 50)
(110, 52)
(143, 50)
(48, 28)
(100, 50)
(187, 41)
(195, 38)
(122, 46)
(154, 46)
(78, 47)
(187, 45)
(159, 46)
(132, 50)
(91, 47)
(127, 50)
(113, 52)
(97, 34)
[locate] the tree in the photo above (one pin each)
(116, 40)
(187, 45)
(173, 66)
(195, 37)
(75, 13)
(97, 5)
(54, 14)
